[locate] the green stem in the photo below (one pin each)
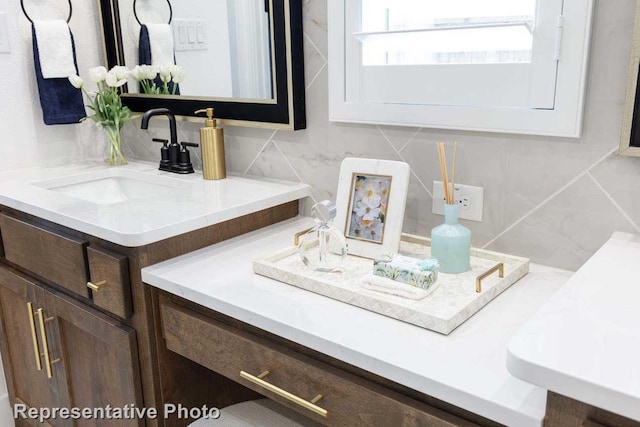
(115, 156)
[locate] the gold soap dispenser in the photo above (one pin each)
(212, 144)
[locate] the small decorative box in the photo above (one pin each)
(421, 273)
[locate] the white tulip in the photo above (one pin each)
(178, 73)
(165, 73)
(137, 73)
(120, 72)
(76, 81)
(113, 81)
(98, 74)
(149, 71)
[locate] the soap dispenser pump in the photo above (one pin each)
(212, 144)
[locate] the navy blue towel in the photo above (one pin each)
(144, 58)
(62, 104)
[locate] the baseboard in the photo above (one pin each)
(6, 415)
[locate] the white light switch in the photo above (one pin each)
(189, 34)
(200, 31)
(4, 35)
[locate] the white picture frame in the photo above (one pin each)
(371, 200)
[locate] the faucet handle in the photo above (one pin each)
(188, 144)
(164, 154)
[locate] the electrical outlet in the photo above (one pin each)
(469, 198)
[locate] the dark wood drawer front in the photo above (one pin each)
(109, 281)
(347, 399)
(55, 257)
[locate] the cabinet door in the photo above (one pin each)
(21, 345)
(98, 359)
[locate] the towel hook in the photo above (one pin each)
(30, 20)
(135, 13)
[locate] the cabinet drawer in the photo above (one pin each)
(53, 256)
(109, 281)
(313, 388)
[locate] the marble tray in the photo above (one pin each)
(454, 301)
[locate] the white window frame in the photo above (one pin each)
(564, 120)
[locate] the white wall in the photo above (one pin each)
(25, 141)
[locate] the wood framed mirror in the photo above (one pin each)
(630, 136)
(242, 57)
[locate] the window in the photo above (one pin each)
(496, 65)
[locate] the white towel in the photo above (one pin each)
(388, 286)
(161, 41)
(55, 49)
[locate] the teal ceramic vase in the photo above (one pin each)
(451, 243)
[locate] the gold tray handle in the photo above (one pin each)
(498, 267)
(34, 336)
(310, 405)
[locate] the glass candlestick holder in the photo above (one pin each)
(324, 247)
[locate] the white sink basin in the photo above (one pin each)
(113, 186)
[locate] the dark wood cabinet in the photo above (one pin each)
(59, 353)
(26, 378)
(268, 365)
(78, 328)
(98, 359)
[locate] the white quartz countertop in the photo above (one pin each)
(181, 204)
(466, 368)
(585, 342)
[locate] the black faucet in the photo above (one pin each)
(171, 161)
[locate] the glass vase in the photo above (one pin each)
(115, 146)
(451, 243)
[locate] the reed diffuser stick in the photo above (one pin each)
(453, 172)
(442, 156)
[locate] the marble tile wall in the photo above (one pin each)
(555, 200)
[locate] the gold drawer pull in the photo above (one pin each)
(95, 287)
(45, 343)
(498, 267)
(283, 393)
(34, 337)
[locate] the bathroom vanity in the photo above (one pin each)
(369, 369)
(126, 286)
(78, 324)
(344, 366)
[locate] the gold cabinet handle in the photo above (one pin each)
(45, 343)
(34, 337)
(96, 286)
(310, 405)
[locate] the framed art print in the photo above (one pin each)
(371, 200)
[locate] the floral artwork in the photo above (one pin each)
(370, 196)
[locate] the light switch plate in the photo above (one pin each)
(189, 34)
(4, 34)
(469, 198)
